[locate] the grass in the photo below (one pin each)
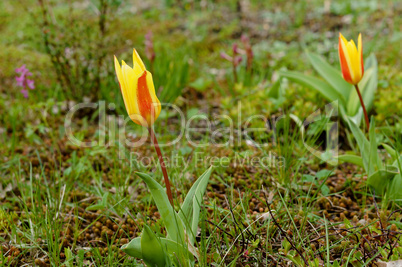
(64, 205)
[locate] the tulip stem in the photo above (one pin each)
(162, 163)
(364, 107)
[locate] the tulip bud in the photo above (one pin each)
(351, 59)
(138, 91)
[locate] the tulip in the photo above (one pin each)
(351, 58)
(138, 91)
(142, 105)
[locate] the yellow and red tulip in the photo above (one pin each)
(138, 91)
(351, 58)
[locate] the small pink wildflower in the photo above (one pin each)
(24, 93)
(149, 47)
(23, 81)
(249, 51)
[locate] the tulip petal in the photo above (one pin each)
(360, 52)
(352, 51)
(131, 88)
(118, 70)
(144, 99)
(122, 84)
(155, 100)
(351, 58)
(138, 91)
(344, 59)
(138, 61)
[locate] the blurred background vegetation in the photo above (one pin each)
(69, 45)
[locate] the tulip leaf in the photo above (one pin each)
(151, 248)
(394, 189)
(174, 249)
(194, 196)
(362, 142)
(356, 160)
(172, 222)
(391, 151)
(197, 200)
(275, 90)
(133, 248)
(379, 179)
(313, 83)
(374, 159)
(332, 75)
(370, 86)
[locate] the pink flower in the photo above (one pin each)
(149, 46)
(24, 93)
(22, 80)
(235, 49)
(21, 69)
(226, 56)
(30, 84)
(237, 60)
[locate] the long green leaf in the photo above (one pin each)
(356, 160)
(362, 142)
(379, 179)
(313, 83)
(390, 150)
(133, 248)
(394, 190)
(370, 86)
(199, 193)
(192, 203)
(374, 159)
(172, 222)
(332, 75)
(275, 90)
(151, 248)
(196, 216)
(199, 186)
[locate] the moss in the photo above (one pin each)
(14, 56)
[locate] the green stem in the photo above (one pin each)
(364, 107)
(162, 163)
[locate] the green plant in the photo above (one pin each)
(71, 42)
(384, 178)
(178, 247)
(170, 72)
(335, 88)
